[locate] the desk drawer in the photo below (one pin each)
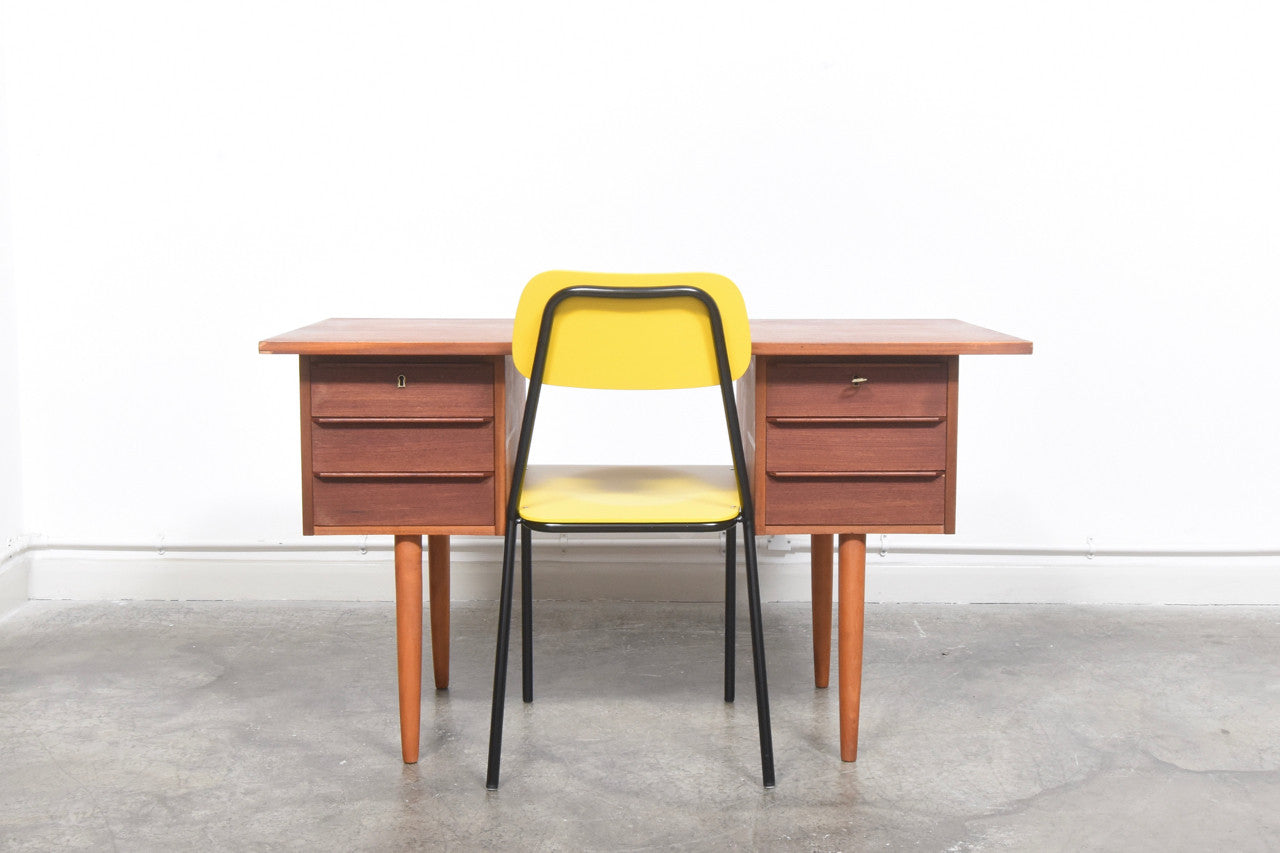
(411, 448)
(429, 500)
(401, 390)
(857, 500)
(827, 388)
(810, 444)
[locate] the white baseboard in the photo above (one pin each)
(1158, 578)
(15, 582)
(652, 569)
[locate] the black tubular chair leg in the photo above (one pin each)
(730, 610)
(500, 657)
(757, 653)
(526, 611)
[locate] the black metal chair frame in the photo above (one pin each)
(514, 522)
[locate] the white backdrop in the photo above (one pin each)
(10, 433)
(187, 178)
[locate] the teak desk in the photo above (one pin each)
(850, 428)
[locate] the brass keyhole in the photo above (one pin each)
(400, 381)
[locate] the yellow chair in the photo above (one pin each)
(629, 331)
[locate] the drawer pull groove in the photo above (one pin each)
(855, 475)
(405, 421)
(404, 475)
(839, 421)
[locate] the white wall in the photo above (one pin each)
(14, 572)
(10, 434)
(187, 178)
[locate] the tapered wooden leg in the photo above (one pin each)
(409, 641)
(853, 588)
(820, 548)
(438, 592)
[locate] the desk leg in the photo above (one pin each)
(853, 583)
(438, 584)
(820, 568)
(409, 641)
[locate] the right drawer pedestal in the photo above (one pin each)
(855, 445)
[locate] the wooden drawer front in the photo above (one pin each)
(353, 502)
(857, 501)
(431, 389)
(404, 448)
(899, 390)
(856, 446)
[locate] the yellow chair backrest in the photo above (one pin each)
(631, 344)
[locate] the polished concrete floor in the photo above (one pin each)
(217, 726)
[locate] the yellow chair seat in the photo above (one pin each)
(584, 494)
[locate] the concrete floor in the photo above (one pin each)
(217, 726)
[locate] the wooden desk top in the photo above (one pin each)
(768, 337)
